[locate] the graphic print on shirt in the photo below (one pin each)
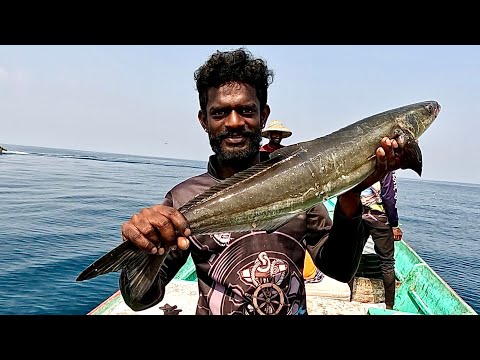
(254, 276)
(222, 239)
(266, 275)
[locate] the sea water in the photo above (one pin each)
(60, 210)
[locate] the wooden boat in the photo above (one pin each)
(419, 290)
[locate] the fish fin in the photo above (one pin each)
(116, 259)
(411, 156)
(286, 151)
(278, 157)
(142, 275)
(142, 268)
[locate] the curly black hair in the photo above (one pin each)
(233, 66)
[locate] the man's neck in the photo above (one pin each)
(225, 169)
(275, 145)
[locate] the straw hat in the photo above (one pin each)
(276, 125)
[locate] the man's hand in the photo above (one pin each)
(156, 229)
(397, 233)
(387, 160)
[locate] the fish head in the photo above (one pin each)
(413, 121)
(417, 118)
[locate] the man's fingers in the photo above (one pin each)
(172, 227)
(130, 232)
(381, 153)
(175, 217)
(146, 228)
(381, 159)
(156, 229)
(183, 243)
(388, 159)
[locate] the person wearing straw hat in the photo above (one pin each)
(275, 132)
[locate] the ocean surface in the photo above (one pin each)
(60, 210)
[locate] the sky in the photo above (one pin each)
(141, 99)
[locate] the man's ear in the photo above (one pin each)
(203, 120)
(264, 115)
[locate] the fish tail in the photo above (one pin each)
(142, 268)
(143, 273)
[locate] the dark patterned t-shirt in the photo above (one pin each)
(255, 272)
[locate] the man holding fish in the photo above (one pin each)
(248, 221)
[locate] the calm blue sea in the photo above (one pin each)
(60, 210)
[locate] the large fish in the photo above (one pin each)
(293, 180)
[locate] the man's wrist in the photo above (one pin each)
(350, 204)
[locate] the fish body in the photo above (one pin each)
(294, 179)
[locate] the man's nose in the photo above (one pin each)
(234, 120)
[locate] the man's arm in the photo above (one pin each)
(340, 254)
(335, 247)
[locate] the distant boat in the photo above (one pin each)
(4, 151)
(420, 291)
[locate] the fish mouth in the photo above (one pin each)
(437, 109)
(434, 108)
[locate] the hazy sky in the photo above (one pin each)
(142, 100)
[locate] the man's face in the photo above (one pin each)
(233, 122)
(276, 137)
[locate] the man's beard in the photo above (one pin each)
(234, 155)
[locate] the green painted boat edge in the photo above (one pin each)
(377, 311)
(422, 290)
(109, 305)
